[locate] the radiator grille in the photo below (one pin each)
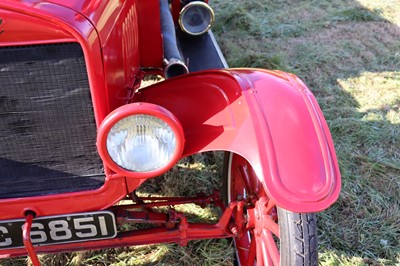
(47, 127)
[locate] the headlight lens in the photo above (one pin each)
(196, 18)
(141, 143)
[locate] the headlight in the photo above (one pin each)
(196, 18)
(140, 139)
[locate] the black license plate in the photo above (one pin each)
(59, 229)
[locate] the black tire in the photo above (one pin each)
(297, 244)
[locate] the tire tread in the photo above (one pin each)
(301, 238)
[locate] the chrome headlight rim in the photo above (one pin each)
(191, 5)
(132, 109)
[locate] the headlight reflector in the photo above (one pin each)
(140, 140)
(141, 143)
(196, 18)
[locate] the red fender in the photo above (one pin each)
(270, 118)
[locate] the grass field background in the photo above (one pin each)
(348, 52)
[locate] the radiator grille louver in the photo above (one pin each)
(47, 127)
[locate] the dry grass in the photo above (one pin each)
(348, 52)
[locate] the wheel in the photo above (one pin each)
(271, 235)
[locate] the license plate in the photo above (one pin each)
(59, 229)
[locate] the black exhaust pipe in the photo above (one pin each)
(173, 62)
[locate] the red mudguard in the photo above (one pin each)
(270, 118)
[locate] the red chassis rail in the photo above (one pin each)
(173, 227)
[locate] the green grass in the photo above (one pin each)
(348, 52)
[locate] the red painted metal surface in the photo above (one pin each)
(26, 234)
(108, 17)
(181, 233)
(270, 118)
(201, 200)
(120, 46)
(113, 191)
(150, 40)
(40, 31)
(256, 243)
(142, 237)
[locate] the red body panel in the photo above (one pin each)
(40, 31)
(146, 29)
(113, 190)
(270, 118)
(151, 53)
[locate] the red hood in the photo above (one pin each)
(96, 11)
